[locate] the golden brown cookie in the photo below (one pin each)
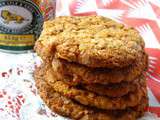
(115, 90)
(91, 99)
(110, 90)
(66, 107)
(93, 41)
(85, 75)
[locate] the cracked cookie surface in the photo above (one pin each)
(66, 107)
(91, 99)
(110, 90)
(93, 41)
(80, 74)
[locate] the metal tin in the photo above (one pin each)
(20, 25)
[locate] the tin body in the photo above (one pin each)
(21, 23)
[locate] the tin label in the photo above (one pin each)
(20, 24)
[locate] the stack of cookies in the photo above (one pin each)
(93, 69)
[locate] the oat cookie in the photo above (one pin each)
(115, 90)
(92, 99)
(93, 41)
(85, 75)
(66, 107)
(110, 90)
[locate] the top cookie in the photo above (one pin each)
(93, 41)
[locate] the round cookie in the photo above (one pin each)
(80, 74)
(66, 107)
(93, 41)
(115, 90)
(91, 99)
(110, 90)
